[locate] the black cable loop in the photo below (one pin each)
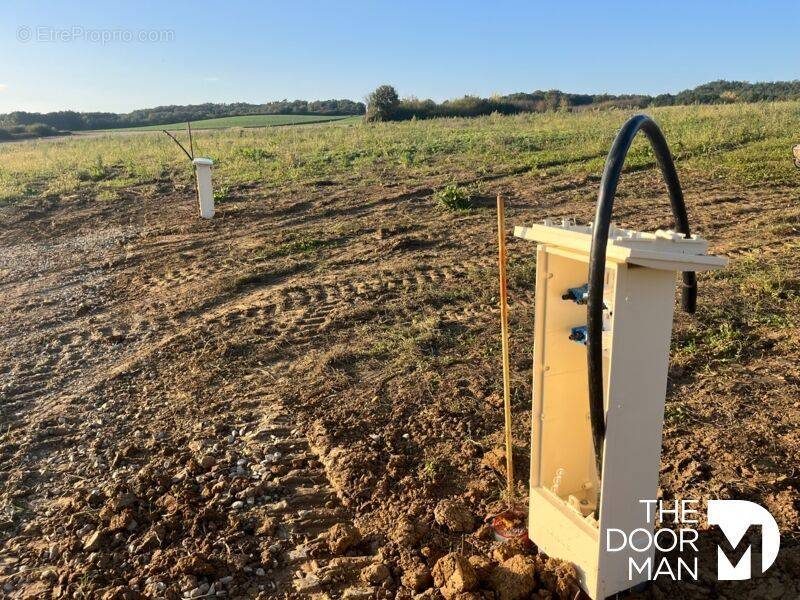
(597, 258)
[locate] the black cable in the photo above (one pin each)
(597, 258)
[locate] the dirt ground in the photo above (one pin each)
(206, 408)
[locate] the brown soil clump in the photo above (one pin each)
(514, 579)
(455, 516)
(453, 575)
(342, 537)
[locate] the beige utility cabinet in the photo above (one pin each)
(639, 297)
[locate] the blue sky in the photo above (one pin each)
(257, 51)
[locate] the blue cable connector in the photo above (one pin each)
(579, 295)
(579, 334)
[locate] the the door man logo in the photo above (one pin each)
(734, 518)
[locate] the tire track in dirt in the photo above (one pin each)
(295, 315)
(196, 271)
(298, 315)
(305, 514)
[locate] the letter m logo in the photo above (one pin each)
(734, 518)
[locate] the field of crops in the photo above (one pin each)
(301, 396)
(245, 121)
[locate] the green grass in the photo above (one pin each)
(758, 300)
(298, 246)
(743, 143)
(243, 121)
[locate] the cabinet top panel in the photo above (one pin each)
(657, 250)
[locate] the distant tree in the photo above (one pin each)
(382, 104)
(663, 100)
(552, 99)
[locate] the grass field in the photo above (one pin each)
(746, 143)
(189, 402)
(245, 121)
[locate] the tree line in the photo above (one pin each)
(384, 104)
(69, 120)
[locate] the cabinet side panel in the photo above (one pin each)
(538, 353)
(567, 457)
(643, 310)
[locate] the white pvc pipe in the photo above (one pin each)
(205, 191)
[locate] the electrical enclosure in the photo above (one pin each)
(639, 299)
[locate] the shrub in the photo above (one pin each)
(255, 154)
(97, 172)
(453, 197)
(41, 129)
